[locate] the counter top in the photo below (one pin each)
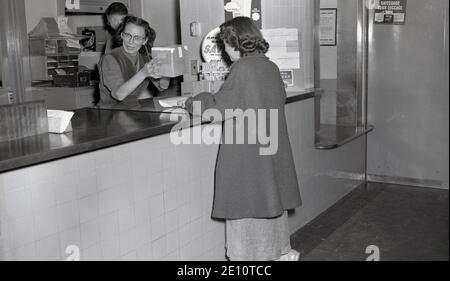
(148, 105)
(93, 129)
(300, 95)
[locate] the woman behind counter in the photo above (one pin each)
(126, 72)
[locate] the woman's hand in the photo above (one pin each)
(182, 102)
(151, 69)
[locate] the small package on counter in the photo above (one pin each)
(59, 121)
(173, 59)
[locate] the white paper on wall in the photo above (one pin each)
(284, 47)
(73, 4)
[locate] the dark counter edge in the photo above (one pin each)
(65, 152)
(301, 97)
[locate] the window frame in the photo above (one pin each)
(15, 67)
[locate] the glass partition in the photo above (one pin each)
(14, 53)
(341, 105)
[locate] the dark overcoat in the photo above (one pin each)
(248, 184)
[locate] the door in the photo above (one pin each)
(409, 97)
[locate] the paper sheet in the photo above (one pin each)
(284, 47)
(173, 102)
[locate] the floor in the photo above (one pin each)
(404, 223)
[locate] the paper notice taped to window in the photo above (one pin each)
(284, 48)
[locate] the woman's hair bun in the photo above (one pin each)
(243, 35)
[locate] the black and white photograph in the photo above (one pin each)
(224, 137)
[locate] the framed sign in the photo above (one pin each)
(288, 77)
(328, 27)
(390, 12)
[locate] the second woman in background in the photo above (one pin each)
(115, 14)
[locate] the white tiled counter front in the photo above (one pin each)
(144, 200)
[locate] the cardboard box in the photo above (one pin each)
(173, 59)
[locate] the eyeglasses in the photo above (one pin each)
(136, 38)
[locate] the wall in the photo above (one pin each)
(325, 176)
(163, 16)
(328, 54)
(409, 98)
(88, 20)
(328, 75)
(35, 10)
(275, 14)
(206, 12)
(1, 67)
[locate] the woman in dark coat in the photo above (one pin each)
(253, 190)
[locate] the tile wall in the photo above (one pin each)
(145, 200)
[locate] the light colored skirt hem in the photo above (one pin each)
(257, 239)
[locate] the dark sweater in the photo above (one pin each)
(116, 68)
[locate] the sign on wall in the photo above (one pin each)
(328, 27)
(244, 8)
(390, 12)
(288, 77)
(211, 50)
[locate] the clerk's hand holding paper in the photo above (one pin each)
(152, 69)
